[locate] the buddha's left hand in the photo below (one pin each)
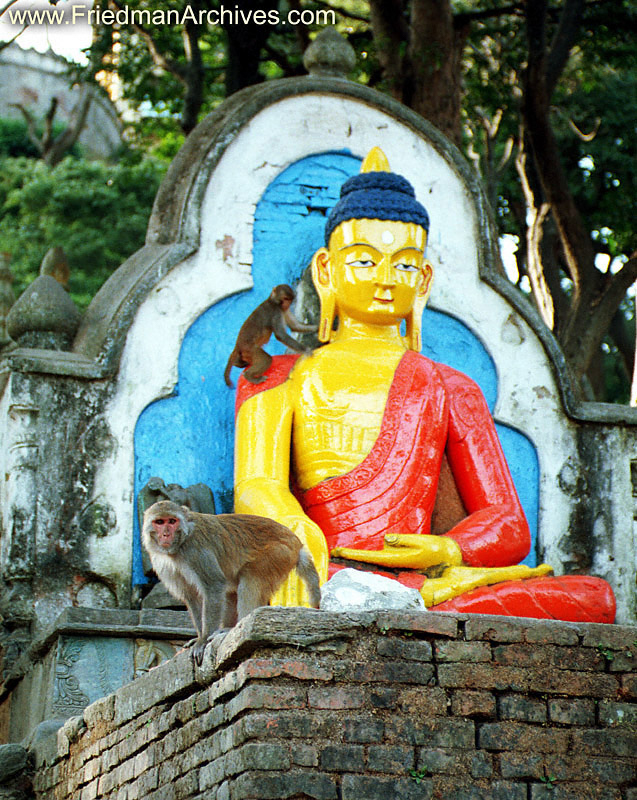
(456, 581)
(409, 550)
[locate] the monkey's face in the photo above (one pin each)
(283, 295)
(166, 532)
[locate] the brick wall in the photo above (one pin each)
(295, 703)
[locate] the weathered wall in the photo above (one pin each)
(88, 654)
(295, 703)
(53, 522)
(32, 79)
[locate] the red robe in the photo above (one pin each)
(431, 409)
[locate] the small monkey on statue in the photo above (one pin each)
(222, 566)
(268, 318)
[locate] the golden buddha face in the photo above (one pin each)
(376, 270)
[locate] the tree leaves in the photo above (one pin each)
(98, 213)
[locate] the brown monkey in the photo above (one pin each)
(222, 566)
(268, 318)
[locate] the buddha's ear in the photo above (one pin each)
(321, 276)
(427, 272)
(413, 337)
(321, 267)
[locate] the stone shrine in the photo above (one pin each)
(139, 391)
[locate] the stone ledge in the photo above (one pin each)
(114, 622)
(122, 622)
(355, 705)
(87, 655)
(304, 627)
(53, 362)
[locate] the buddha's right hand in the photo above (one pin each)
(292, 592)
(408, 550)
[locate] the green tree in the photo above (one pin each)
(526, 87)
(96, 212)
(184, 68)
(554, 138)
(14, 139)
(539, 94)
(17, 140)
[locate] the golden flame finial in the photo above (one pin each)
(375, 161)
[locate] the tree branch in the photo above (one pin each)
(616, 287)
(390, 32)
(31, 125)
(10, 41)
(158, 58)
(47, 135)
(343, 11)
(50, 149)
(194, 76)
(432, 86)
(466, 17)
(564, 38)
(585, 137)
(576, 241)
(7, 6)
(536, 34)
(538, 270)
(54, 150)
(622, 333)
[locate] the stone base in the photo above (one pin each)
(90, 653)
(299, 703)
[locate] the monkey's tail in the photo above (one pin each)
(226, 374)
(307, 572)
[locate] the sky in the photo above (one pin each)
(66, 39)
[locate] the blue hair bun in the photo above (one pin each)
(377, 195)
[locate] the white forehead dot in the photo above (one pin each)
(387, 237)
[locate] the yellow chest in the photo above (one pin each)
(339, 400)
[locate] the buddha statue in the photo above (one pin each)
(347, 446)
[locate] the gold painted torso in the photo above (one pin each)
(337, 420)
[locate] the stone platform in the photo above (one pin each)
(296, 703)
(88, 654)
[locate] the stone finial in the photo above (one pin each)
(329, 55)
(56, 264)
(44, 316)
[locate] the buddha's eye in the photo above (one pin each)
(360, 262)
(407, 267)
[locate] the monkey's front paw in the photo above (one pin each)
(199, 645)
(198, 650)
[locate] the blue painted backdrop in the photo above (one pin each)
(188, 437)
